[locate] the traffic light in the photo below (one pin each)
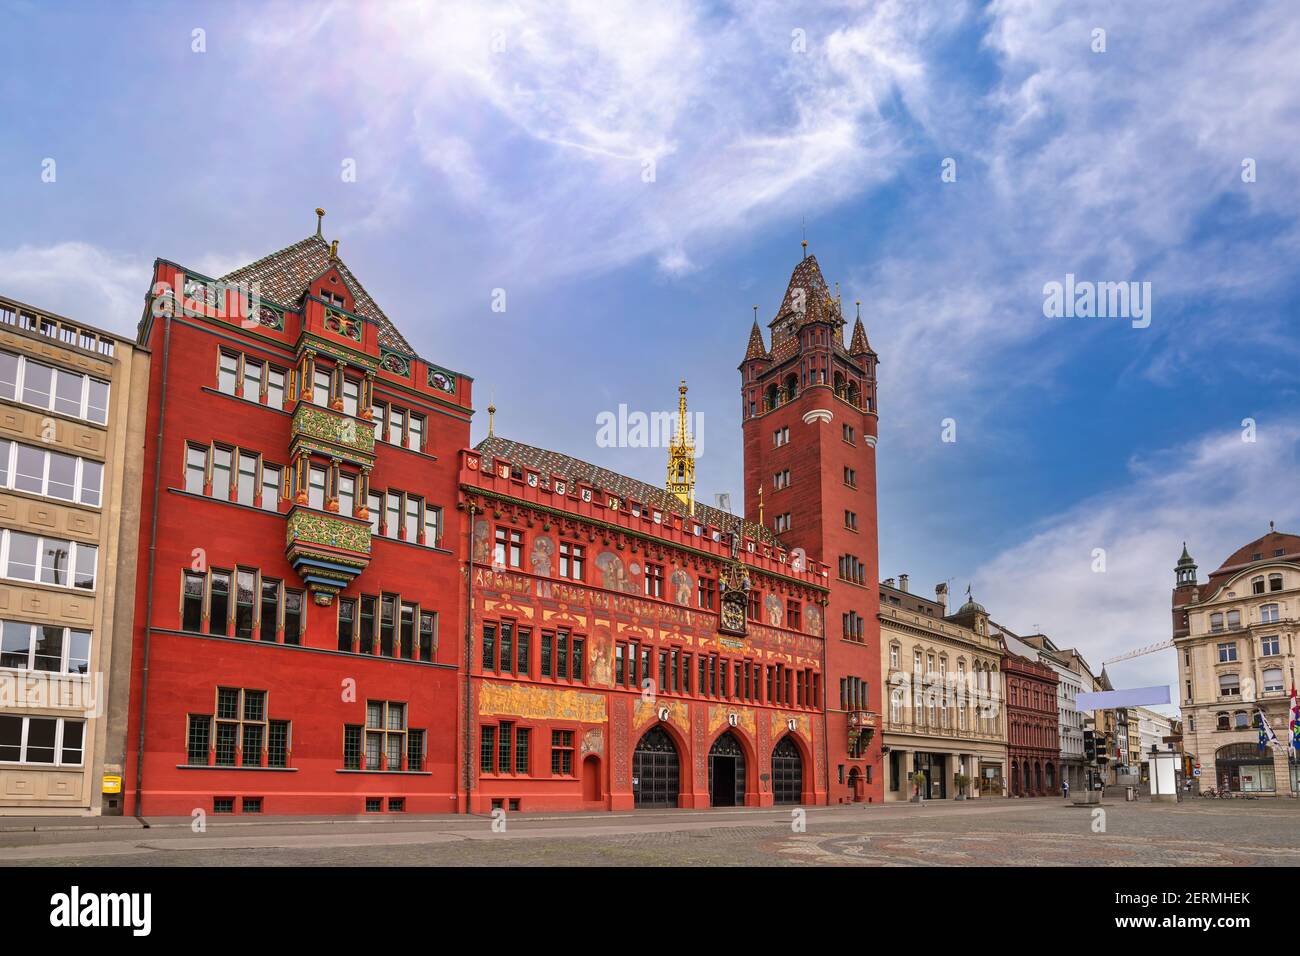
(1103, 748)
(1089, 746)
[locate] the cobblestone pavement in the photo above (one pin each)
(991, 833)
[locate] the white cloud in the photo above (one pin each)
(80, 281)
(1216, 493)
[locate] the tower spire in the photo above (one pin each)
(320, 214)
(681, 457)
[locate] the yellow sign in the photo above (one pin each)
(112, 784)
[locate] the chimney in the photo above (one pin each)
(941, 594)
(889, 582)
(902, 582)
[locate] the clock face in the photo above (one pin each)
(731, 616)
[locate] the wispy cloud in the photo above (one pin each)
(82, 281)
(1216, 493)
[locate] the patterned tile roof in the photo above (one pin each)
(859, 345)
(756, 349)
(576, 470)
(807, 299)
(284, 276)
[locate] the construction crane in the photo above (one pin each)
(1140, 652)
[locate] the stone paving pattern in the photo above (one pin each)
(1043, 832)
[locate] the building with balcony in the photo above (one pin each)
(944, 715)
(1033, 719)
(298, 620)
(1234, 635)
(71, 425)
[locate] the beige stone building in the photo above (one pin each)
(72, 409)
(944, 693)
(1235, 638)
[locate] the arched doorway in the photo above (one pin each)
(787, 772)
(655, 770)
(591, 779)
(855, 785)
(726, 772)
(1241, 768)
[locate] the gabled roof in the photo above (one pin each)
(284, 277)
(807, 288)
(577, 470)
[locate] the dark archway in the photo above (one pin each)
(787, 772)
(726, 772)
(656, 770)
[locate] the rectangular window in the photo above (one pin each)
(415, 433)
(408, 631)
(271, 478)
(571, 560)
(578, 646)
(347, 494)
(509, 550)
(192, 602)
(708, 590)
(347, 622)
(393, 515)
(351, 747)
(219, 604)
(293, 616)
(503, 747)
(506, 662)
(523, 639)
(432, 525)
(489, 647)
(275, 388)
(198, 740)
(413, 518)
(487, 748)
(429, 636)
(375, 505)
(351, 396)
(562, 654)
(366, 633)
(620, 671)
(221, 468)
(562, 753)
(252, 380)
(654, 580)
(548, 641)
(316, 488)
(270, 609)
(227, 373)
(321, 382)
(245, 602)
(396, 425)
(387, 625)
(521, 750)
(196, 467)
(1227, 652)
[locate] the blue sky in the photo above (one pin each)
(505, 146)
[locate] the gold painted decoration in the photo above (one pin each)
(540, 703)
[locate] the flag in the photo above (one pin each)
(1266, 735)
(1295, 719)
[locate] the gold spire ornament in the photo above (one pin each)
(320, 214)
(492, 412)
(681, 457)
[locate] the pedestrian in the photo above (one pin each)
(1065, 787)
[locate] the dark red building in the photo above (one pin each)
(296, 641)
(1033, 729)
(810, 426)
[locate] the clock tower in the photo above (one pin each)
(810, 425)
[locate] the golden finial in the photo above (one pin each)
(334, 250)
(805, 248)
(492, 411)
(320, 214)
(858, 303)
(760, 504)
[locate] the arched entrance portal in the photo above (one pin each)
(787, 772)
(591, 779)
(655, 770)
(855, 785)
(726, 772)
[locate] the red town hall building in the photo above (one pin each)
(1033, 728)
(345, 608)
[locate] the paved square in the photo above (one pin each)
(986, 832)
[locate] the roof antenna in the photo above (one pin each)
(320, 214)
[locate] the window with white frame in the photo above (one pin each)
(1273, 681)
(1268, 614)
(50, 474)
(48, 741)
(1227, 652)
(53, 389)
(1270, 646)
(42, 560)
(44, 647)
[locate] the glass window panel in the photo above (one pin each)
(396, 425)
(351, 396)
(38, 380)
(11, 737)
(87, 556)
(62, 477)
(292, 616)
(316, 487)
(49, 648)
(394, 516)
(347, 495)
(271, 487)
(375, 505)
(415, 433)
(15, 644)
(29, 470)
(78, 652)
(247, 479)
(67, 392)
(412, 518)
(227, 373)
(275, 388)
(219, 622)
(92, 482)
(74, 733)
(320, 394)
(56, 556)
(22, 556)
(252, 380)
(40, 739)
(221, 465)
(375, 714)
(6, 449)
